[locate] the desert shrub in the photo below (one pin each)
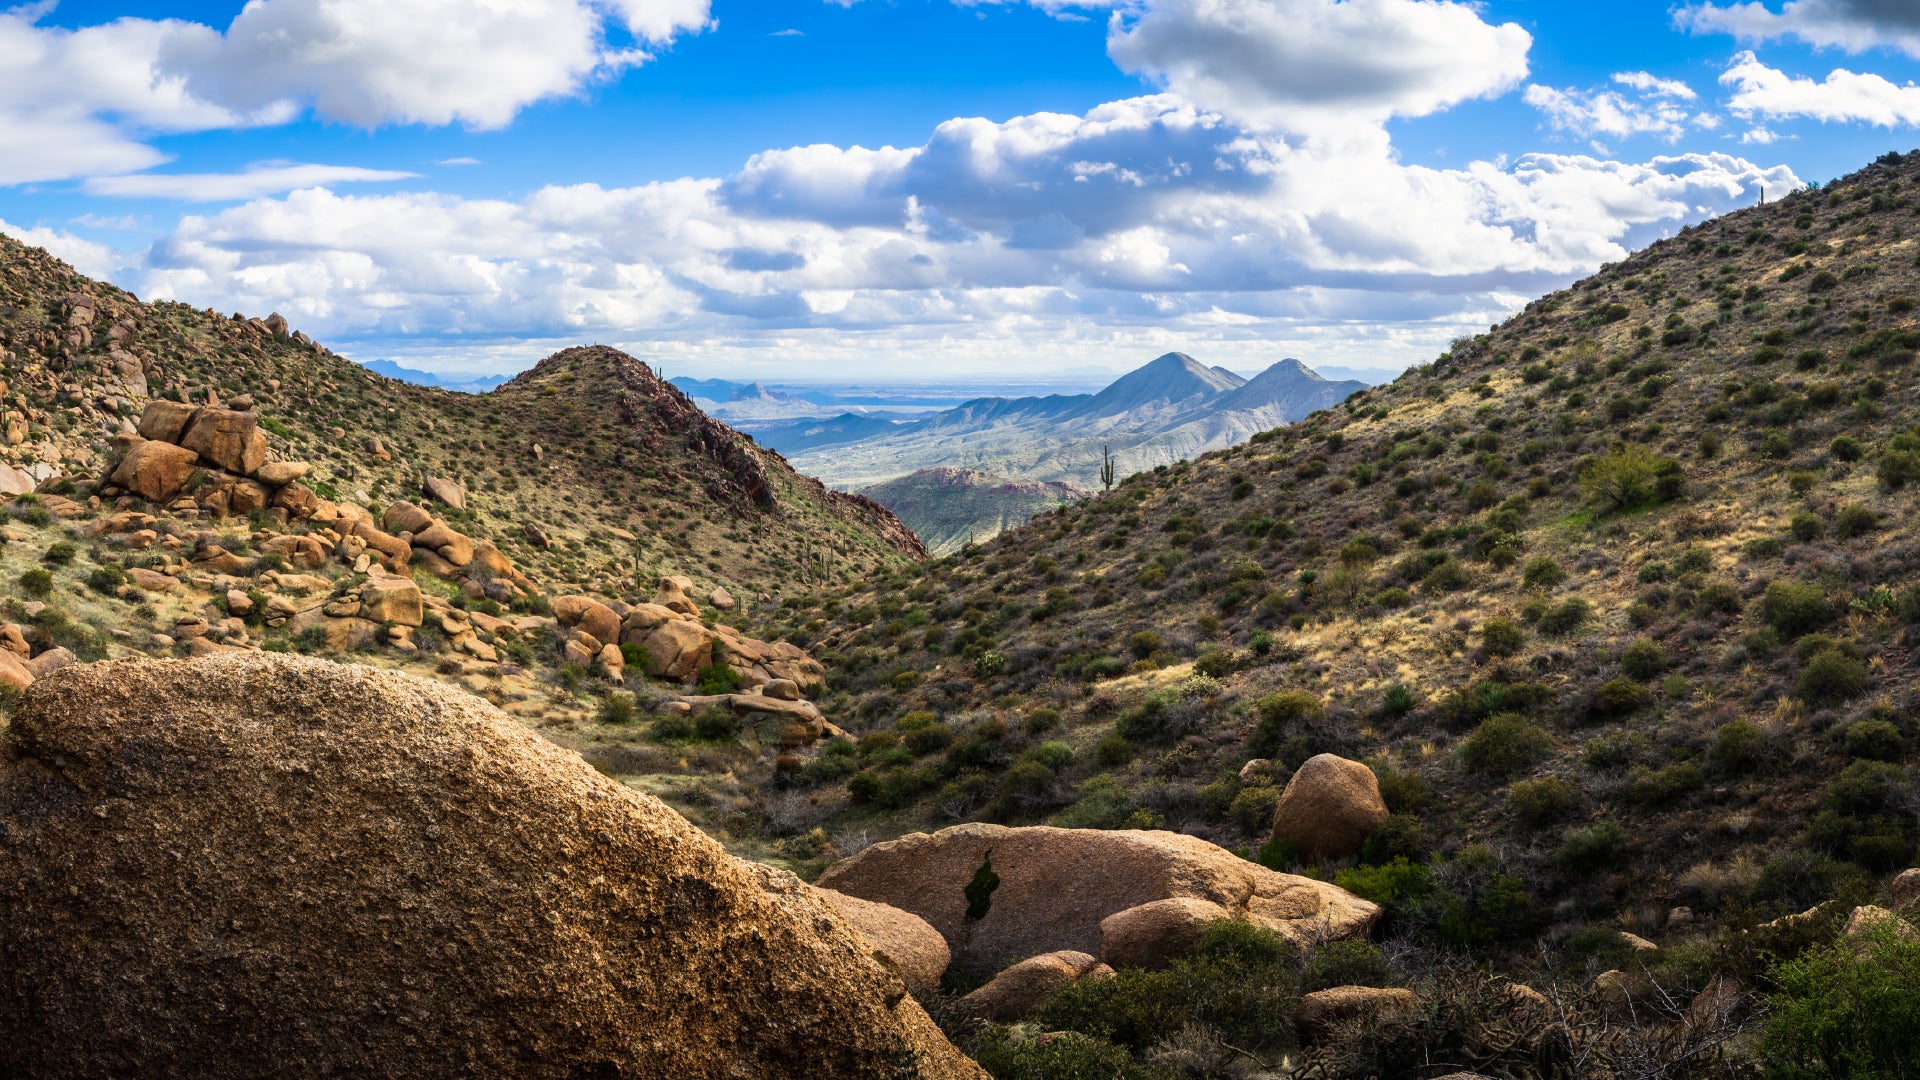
(718, 679)
(1875, 740)
(716, 723)
(1565, 617)
(1547, 799)
(1398, 700)
(1854, 520)
(1505, 744)
(1795, 608)
(1252, 809)
(1280, 713)
(1738, 746)
(1007, 1054)
(1830, 676)
(1898, 468)
(60, 553)
(106, 579)
(37, 583)
(1214, 663)
(1658, 787)
(1616, 698)
(1162, 716)
(1846, 448)
(1501, 636)
(1590, 847)
(1346, 962)
(1642, 659)
(1806, 527)
(1630, 476)
(1542, 572)
(1847, 1011)
(618, 708)
(1113, 751)
(1144, 643)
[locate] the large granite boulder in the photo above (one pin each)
(256, 865)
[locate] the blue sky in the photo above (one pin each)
(810, 189)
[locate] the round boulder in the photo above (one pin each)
(258, 865)
(899, 939)
(1322, 1009)
(1155, 935)
(1017, 992)
(1329, 808)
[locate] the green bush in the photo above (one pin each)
(1501, 636)
(1542, 572)
(718, 679)
(1347, 962)
(37, 583)
(1007, 1054)
(1738, 746)
(1505, 744)
(1566, 617)
(1642, 659)
(1795, 608)
(1830, 677)
(1846, 448)
(1546, 799)
(1398, 700)
(618, 708)
(1875, 740)
(1854, 520)
(106, 579)
(1898, 468)
(1806, 527)
(1847, 1011)
(1214, 663)
(60, 553)
(1630, 476)
(1616, 698)
(1280, 713)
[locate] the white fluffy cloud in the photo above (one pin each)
(92, 259)
(86, 102)
(1854, 25)
(1843, 96)
(1648, 106)
(1304, 65)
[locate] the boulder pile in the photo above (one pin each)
(255, 865)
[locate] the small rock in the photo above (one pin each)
(783, 689)
(1323, 1008)
(721, 598)
(446, 491)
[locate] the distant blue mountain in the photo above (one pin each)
(468, 384)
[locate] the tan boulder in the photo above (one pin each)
(247, 496)
(1020, 990)
(393, 879)
(402, 516)
(299, 502)
(51, 661)
(336, 634)
(1867, 918)
(589, 615)
(392, 600)
(164, 420)
(722, 599)
(303, 551)
(782, 689)
(279, 473)
(14, 671)
(155, 471)
(1329, 808)
(394, 553)
(15, 642)
(1904, 890)
(672, 595)
(226, 439)
(899, 939)
(678, 649)
(450, 492)
(150, 580)
(1322, 1009)
(14, 482)
(642, 618)
(1154, 935)
(1055, 886)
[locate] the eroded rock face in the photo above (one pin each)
(226, 439)
(262, 865)
(156, 471)
(1056, 886)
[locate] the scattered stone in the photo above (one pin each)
(239, 603)
(721, 598)
(51, 661)
(1904, 889)
(150, 580)
(589, 615)
(450, 492)
(14, 671)
(164, 421)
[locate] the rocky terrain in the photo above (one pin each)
(951, 508)
(1165, 411)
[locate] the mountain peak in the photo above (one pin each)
(1174, 379)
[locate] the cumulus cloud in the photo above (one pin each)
(1650, 106)
(1843, 96)
(1853, 25)
(230, 187)
(1305, 65)
(94, 260)
(87, 102)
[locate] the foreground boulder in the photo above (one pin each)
(255, 865)
(1019, 991)
(1330, 807)
(899, 939)
(1041, 889)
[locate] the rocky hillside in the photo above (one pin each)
(1617, 601)
(951, 508)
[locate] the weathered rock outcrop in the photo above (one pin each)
(1015, 993)
(899, 939)
(254, 865)
(1056, 886)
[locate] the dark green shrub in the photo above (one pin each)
(1214, 663)
(1846, 448)
(1345, 963)
(1831, 677)
(718, 679)
(1398, 700)
(1658, 787)
(1847, 1011)
(1505, 744)
(1543, 572)
(1501, 636)
(1642, 659)
(1280, 713)
(1630, 476)
(1806, 527)
(1616, 698)
(1566, 617)
(1795, 608)
(1008, 1054)
(618, 708)
(60, 553)
(1898, 468)
(1591, 847)
(106, 579)
(1738, 746)
(1854, 520)
(37, 583)
(1544, 800)
(1875, 740)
